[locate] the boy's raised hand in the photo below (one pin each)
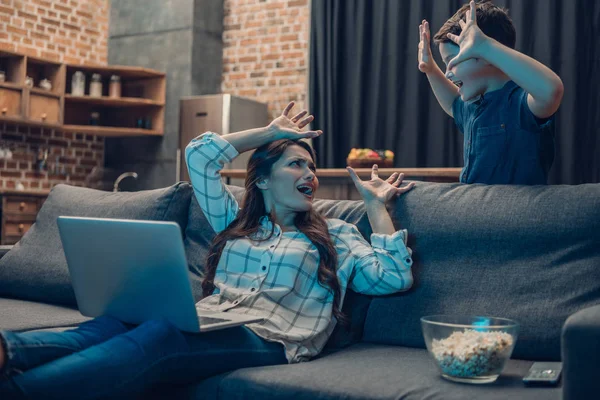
(471, 40)
(426, 62)
(285, 127)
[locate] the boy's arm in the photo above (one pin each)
(445, 91)
(544, 87)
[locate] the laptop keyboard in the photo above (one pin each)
(209, 320)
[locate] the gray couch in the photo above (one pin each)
(527, 253)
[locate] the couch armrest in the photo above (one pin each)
(4, 250)
(581, 354)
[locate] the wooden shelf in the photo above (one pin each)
(110, 131)
(42, 61)
(143, 91)
(29, 122)
(10, 85)
(113, 101)
(122, 71)
(44, 92)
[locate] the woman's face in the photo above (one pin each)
(292, 185)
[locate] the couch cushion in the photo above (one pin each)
(363, 371)
(36, 269)
(199, 234)
(23, 315)
(521, 252)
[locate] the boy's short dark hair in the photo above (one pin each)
(491, 19)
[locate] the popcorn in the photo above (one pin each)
(472, 353)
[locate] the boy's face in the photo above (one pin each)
(470, 75)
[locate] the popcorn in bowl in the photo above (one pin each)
(469, 349)
(471, 353)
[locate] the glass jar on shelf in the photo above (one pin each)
(96, 86)
(2, 76)
(114, 89)
(46, 84)
(95, 118)
(78, 84)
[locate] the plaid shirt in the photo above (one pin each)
(277, 278)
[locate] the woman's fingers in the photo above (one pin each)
(311, 134)
(354, 177)
(305, 121)
(299, 115)
(288, 108)
(399, 180)
(375, 171)
(392, 178)
(404, 189)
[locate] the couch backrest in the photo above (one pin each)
(527, 253)
(36, 268)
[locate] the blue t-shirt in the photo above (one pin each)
(504, 143)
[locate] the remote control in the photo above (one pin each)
(543, 373)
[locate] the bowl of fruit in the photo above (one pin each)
(365, 158)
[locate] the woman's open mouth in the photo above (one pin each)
(306, 190)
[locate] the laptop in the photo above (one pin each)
(135, 271)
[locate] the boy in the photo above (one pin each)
(503, 101)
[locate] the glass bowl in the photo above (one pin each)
(469, 349)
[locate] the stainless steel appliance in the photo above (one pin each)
(219, 113)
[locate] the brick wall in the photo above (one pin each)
(70, 157)
(70, 31)
(265, 51)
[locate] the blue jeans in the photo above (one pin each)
(105, 358)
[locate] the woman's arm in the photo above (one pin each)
(283, 127)
(207, 154)
(376, 193)
(379, 218)
(384, 266)
(380, 268)
(205, 157)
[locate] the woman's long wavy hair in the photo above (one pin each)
(246, 223)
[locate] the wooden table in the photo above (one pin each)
(335, 183)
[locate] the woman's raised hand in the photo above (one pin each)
(377, 189)
(285, 127)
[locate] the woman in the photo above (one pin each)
(276, 258)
